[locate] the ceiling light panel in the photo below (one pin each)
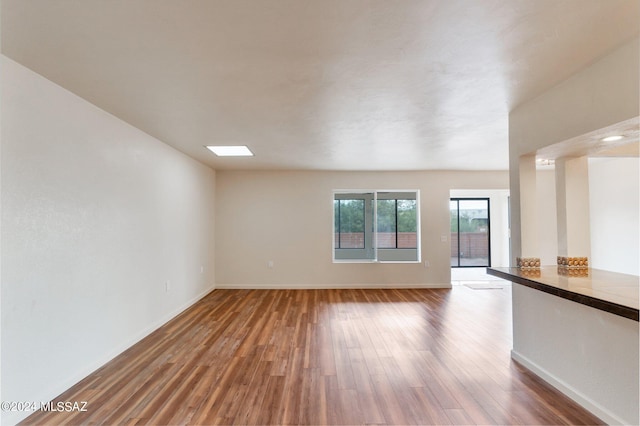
(230, 150)
(612, 138)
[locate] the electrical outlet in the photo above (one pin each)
(167, 286)
(427, 264)
(270, 264)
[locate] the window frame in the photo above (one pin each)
(371, 252)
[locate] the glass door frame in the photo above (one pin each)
(457, 200)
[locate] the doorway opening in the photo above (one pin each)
(470, 232)
(498, 252)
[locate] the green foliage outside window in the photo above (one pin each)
(467, 223)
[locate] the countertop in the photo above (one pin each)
(608, 291)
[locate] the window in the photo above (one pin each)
(470, 236)
(349, 219)
(376, 226)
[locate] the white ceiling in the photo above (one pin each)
(318, 84)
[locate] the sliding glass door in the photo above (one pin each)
(470, 236)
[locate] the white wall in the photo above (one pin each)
(590, 355)
(286, 217)
(1, 100)
(96, 218)
(614, 186)
(499, 211)
(602, 94)
(546, 211)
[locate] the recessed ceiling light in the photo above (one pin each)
(545, 162)
(230, 151)
(612, 138)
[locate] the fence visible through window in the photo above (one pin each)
(470, 232)
(376, 226)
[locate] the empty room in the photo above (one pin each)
(267, 212)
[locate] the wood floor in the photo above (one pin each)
(325, 357)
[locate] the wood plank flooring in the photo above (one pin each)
(317, 357)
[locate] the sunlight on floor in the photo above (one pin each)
(476, 276)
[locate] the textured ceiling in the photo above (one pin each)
(318, 84)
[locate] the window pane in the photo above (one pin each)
(379, 225)
(386, 224)
(351, 224)
(474, 232)
(407, 224)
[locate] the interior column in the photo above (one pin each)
(572, 206)
(528, 207)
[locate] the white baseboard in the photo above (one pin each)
(16, 417)
(587, 403)
(324, 286)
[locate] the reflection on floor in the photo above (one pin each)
(477, 279)
(475, 285)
